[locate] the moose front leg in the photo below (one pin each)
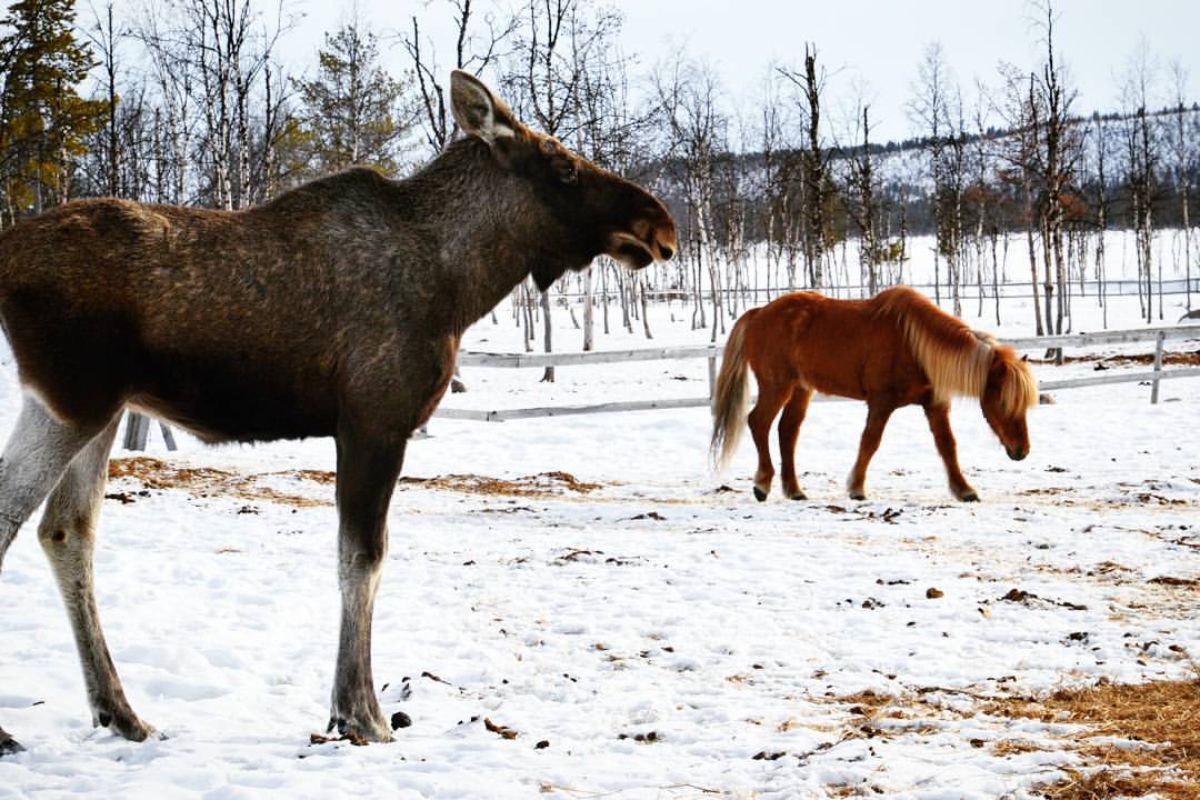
(367, 473)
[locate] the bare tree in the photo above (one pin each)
(475, 50)
(688, 94)
(1141, 150)
(1181, 151)
(815, 165)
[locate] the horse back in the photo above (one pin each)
(838, 347)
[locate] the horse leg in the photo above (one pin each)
(367, 470)
(789, 432)
(68, 537)
(877, 418)
(770, 399)
(38, 451)
(943, 437)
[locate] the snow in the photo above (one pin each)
(656, 632)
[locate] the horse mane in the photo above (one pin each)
(955, 358)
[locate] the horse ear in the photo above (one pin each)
(477, 111)
(1025, 357)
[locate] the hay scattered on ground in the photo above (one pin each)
(1142, 738)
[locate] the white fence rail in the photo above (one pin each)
(712, 352)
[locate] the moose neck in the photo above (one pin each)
(490, 239)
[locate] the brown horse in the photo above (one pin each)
(334, 310)
(893, 350)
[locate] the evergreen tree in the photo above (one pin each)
(353, 112)
(43, 120)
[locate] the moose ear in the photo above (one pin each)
(477, 111)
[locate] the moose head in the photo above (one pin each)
(582, 210)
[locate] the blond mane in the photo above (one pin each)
(955, 358)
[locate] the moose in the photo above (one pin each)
(894, 349)
(335, 309)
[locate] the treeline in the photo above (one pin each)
(189, 102)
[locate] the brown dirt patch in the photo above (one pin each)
(544, 484)
(211, 482)
(1164, 716)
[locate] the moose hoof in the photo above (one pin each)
(9, 745)
(125, 724)
(361, 732)
(759, 494)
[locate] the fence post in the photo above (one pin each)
(137, 429)
(1158, 351)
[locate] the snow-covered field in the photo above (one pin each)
(645, 631)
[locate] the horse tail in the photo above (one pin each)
(731, 396)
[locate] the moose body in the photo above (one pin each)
(893, 350)
(333, 310)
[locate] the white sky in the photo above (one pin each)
(876, 45)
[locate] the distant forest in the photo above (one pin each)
(188, 103)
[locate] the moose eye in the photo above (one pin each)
(566, 169)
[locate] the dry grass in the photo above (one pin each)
(1139, 740)
(1164, 716)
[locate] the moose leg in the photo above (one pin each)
(68, 536)
(877, 418)
(38, 451)
(770, 399)
(943, 437)
(789, 432)
(366, 476)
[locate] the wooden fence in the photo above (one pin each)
(712, 352)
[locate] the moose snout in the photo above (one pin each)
(665, 242)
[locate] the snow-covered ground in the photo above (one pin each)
(645, 631)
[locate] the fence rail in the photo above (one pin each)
(712, 352)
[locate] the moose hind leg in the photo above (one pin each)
(68, 536)
(366, 476)
(38, 451)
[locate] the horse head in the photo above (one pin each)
(580, 210)
(1011, 391)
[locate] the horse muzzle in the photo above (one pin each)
(1017, 453)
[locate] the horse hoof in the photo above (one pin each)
(759, 494)
(969, 497)
(797, 495)
(858, 495)
(9, 746)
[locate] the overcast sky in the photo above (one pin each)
(876, 45)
